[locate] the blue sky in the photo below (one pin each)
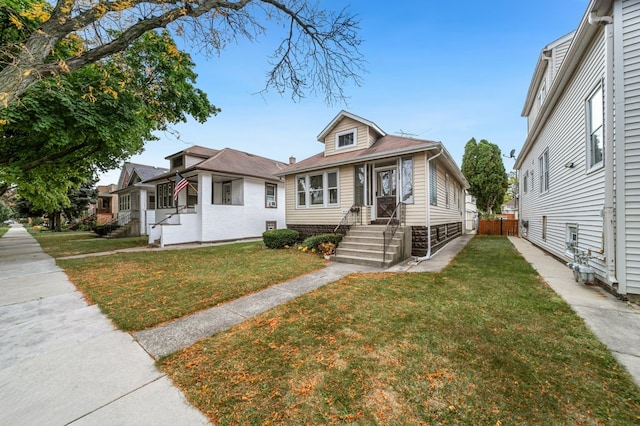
(443, 71)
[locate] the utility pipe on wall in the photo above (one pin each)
(608, 210)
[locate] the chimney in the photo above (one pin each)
(292, 160)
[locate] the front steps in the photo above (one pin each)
(127, 230)
(364, 245)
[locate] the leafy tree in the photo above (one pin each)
(6, 212)
(68, 127)
(512, 189)
(319, 48)
(482, 166)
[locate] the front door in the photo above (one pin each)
(386, 182)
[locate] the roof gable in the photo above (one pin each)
(342, 114)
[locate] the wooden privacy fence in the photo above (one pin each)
(498, 227)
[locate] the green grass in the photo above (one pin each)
(3, 230)
(62, 244)
(484, 342)
(143, 289)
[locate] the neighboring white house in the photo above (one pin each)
(579, 167)
(136, 199)
(231, 195)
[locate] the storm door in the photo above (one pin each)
(386, 191)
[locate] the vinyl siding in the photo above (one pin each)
(320, 215)
(416, 213)
(630, 148)
(575, 195)
(559, 52)
(346, 124)
(441, 214)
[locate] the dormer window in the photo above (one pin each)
(346, 139)
(177, 162)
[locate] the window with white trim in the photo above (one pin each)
(125, 202)
(433, 184)
(572, 234)
(542, 94)
(346, 139)
(406, 175)
(271, 195)
(595, 125)
(317, 190)
(164, 195)
(446, 190)
(525, 182)
(543, 162)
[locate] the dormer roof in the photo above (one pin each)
(342, 114)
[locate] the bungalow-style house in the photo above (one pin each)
(365, 177)
(579, 168)
(136, 199)
(230, 195)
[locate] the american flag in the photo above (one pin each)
(181, 183)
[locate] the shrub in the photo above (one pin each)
(279, 238)
(314, 241)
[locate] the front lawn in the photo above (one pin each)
(485, 342)
(3, 230)
(61, 244)
(143, 289)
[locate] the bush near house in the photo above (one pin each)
(315, 241)
(280, 238)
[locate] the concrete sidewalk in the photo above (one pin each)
(63, 362)
(181, 333)
(614, 322)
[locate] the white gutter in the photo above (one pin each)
(609, 208)
(428, 255)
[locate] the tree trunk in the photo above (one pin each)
(27, 68)
(57, 221)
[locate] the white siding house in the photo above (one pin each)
(579, 167)
(136, 200)
(231, 195)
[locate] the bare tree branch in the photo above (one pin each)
(319, 54)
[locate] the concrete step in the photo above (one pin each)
(364, 253)
(355, 260)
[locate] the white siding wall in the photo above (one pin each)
(228, 222)
(629, 147)
(222, 222)
(576, 195)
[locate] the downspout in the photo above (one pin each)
(608, 211)
(417, 260)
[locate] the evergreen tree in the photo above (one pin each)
(482, 166)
